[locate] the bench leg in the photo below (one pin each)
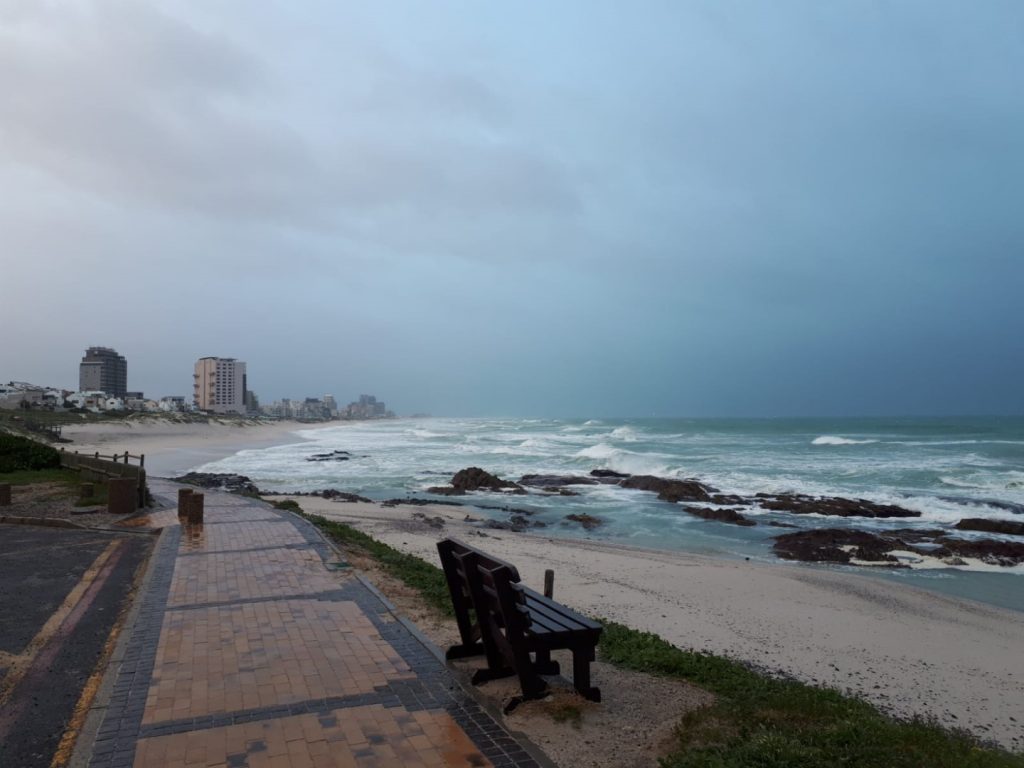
(464, 651)
(581, 658)
(544, 665)
(487, 674)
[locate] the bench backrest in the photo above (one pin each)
(464, 567)
(448, 548)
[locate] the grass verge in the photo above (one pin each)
(757, 721)
(425, 578)
(32, 476)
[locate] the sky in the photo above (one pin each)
(578, 209)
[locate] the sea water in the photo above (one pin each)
(946, 469)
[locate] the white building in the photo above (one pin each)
(220, 384)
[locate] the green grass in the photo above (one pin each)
(31, 476)
(425, 578)
(770, 723)
(757, 721)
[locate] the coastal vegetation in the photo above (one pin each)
(19, 454)
(756, 720)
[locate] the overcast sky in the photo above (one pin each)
(557, 209)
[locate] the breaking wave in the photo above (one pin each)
(834, 440)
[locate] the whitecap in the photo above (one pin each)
(834, 440)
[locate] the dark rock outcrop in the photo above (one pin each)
(225, 482)
(560, 491)
(332, 456)
(413, 502)
(446, 490)
(1010, 527)
(334, 495)
(991, 551)
(825, 545)
(545, 481)
(476, 479)
(839, 545)
(433, 522)
(721, 515)
(589, 522)
(669, 490)
(608, 474)
(799, 504)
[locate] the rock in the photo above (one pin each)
(419, 502)
(332, 456)
(1010, 527)
(589, 522)
(560, 491)
(721, 498)
(721, 515)
(608, 474)
(799, 504)
(776, 524)
(503, 525)
(669, 490)
(841, 545)
(433, 522)
(824, 545)
(446, 490)
(226, 482)
(334, 495)
(542, 481)
(476, 479)
(991, 551)
(525, 522)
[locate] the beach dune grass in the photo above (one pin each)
(757, 720)
(767, 722)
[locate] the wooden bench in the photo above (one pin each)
(505, 621)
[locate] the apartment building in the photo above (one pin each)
(103, 370)
(220, 385)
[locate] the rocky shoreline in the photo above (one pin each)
(898, 548)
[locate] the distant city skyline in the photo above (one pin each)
(579, 209)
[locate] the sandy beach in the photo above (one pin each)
(172, 448)
(909, 651)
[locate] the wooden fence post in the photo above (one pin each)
(195, 509)
(549, 583)
(121, 496)
(184, 502)
(5, 494)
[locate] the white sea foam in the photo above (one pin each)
(834, 440)
(628, 434)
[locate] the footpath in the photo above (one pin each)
(252, 647)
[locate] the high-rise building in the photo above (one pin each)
(220, 385)
(103, 370)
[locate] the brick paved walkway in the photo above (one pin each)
(248, 651)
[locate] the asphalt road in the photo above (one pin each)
(61, 592)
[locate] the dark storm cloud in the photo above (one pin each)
(701, 208)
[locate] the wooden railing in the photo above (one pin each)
(114, 465)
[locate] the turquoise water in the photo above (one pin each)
(947, 469)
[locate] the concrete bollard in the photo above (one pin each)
(184, 499)
(122, 496)
(5, 494)
(195, 509)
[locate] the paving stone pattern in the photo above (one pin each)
(248, 652)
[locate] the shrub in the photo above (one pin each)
(20, 453)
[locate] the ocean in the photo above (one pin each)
(945, 468)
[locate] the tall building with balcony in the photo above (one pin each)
(103, 370)
(220, 385)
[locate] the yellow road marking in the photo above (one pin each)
(21, 662)
(92, 685)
